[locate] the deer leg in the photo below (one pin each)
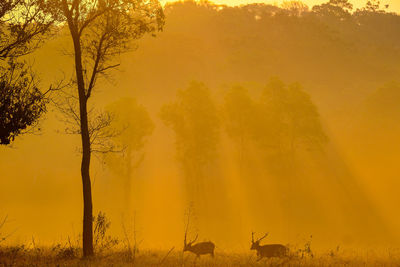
(195, 260)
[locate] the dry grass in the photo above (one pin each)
(68, 256)
(114, 252)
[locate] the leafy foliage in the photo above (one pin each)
(103, 30)
(240, 110)
(133, 124)
(102, 240)
(334, 8)
(22, 27)
(193, 117)
(283, 120)
(289, 118)
(240, 113)
(21, 101)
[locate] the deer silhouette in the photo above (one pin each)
(268, 251)
(201, 248)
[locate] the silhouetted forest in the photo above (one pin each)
(339, 58)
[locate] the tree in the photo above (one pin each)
(193, 117)
(23, 27)
(21, 102)
(100, 31)
(295, 8)
(134, 124)
(289, 120)
(340, 9)
(240, 111)
(372, 6)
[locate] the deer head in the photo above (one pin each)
(256, 244)
(188, 245)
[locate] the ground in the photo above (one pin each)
(58, 256)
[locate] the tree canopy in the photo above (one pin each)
(21, 102)
(289, 120)
(23, 27)
(194, 119)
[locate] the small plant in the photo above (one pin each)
(103, 241)
(333, 253)
(9, 255)
(307, 249)
(131, 246)
(65, 252)
(3, 236)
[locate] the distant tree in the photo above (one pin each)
(257, 10)
(134, 125)
(288, 120)
(240, 112)
(193, 117)
(340, 9)
(372, 6)
(295, 8)
(22, 29)
(100, 31)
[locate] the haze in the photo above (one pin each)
(316, 153)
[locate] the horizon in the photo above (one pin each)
(394, 6)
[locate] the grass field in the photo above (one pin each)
(62, 256)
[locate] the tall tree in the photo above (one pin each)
(240, 111)
(289, 120)
(133, 123)
(100, 31)
(193, 117)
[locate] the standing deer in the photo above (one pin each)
(268, 251)
(201, 248)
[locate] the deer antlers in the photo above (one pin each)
(194, 240)
(191, 242)
(258, 240)
(187, 228)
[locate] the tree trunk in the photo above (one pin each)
(87, 235)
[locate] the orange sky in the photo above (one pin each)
(394, 4)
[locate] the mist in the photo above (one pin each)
(252, 117)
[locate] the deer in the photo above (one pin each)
(268, 251)
(201, 248)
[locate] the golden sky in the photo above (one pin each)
(394, 5)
